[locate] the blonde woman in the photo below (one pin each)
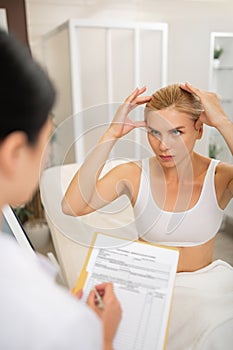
(178, 196)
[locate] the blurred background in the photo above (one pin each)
(97, 51)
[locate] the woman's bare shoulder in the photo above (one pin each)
(224, 166)
(224, 183)
(224, 170)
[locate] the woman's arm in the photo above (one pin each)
(215, 116)
(86, 193)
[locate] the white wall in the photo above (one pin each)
(190, 23)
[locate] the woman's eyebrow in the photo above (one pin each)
(178, 127)
(175, 128)
(149, 127)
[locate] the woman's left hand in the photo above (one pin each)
(213, 114)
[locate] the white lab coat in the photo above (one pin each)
(35, 313)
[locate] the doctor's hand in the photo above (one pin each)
(213, 114)
(122, 124)
(110, 314)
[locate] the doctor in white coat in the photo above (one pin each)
(35, 312)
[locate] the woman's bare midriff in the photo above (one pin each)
(195, 258)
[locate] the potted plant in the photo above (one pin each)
(218, 51)
(23, 213)
(214, 147)
(32, 217)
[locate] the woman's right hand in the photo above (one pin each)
(110, 315)
(122, 124)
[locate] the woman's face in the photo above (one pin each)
(172, 135)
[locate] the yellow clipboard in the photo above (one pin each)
(84, 273)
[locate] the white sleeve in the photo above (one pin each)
(38, 314)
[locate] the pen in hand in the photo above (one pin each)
(99, 300)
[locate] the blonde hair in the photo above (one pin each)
(172, 96)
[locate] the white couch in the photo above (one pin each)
(72, 235)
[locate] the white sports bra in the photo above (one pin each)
(188, 228)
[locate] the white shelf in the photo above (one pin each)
(223, 68)
(221, 81)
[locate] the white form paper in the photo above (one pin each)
(143, 277)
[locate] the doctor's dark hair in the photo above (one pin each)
(26, 93)
(174, 97)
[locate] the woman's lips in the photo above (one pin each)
(166, 158)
